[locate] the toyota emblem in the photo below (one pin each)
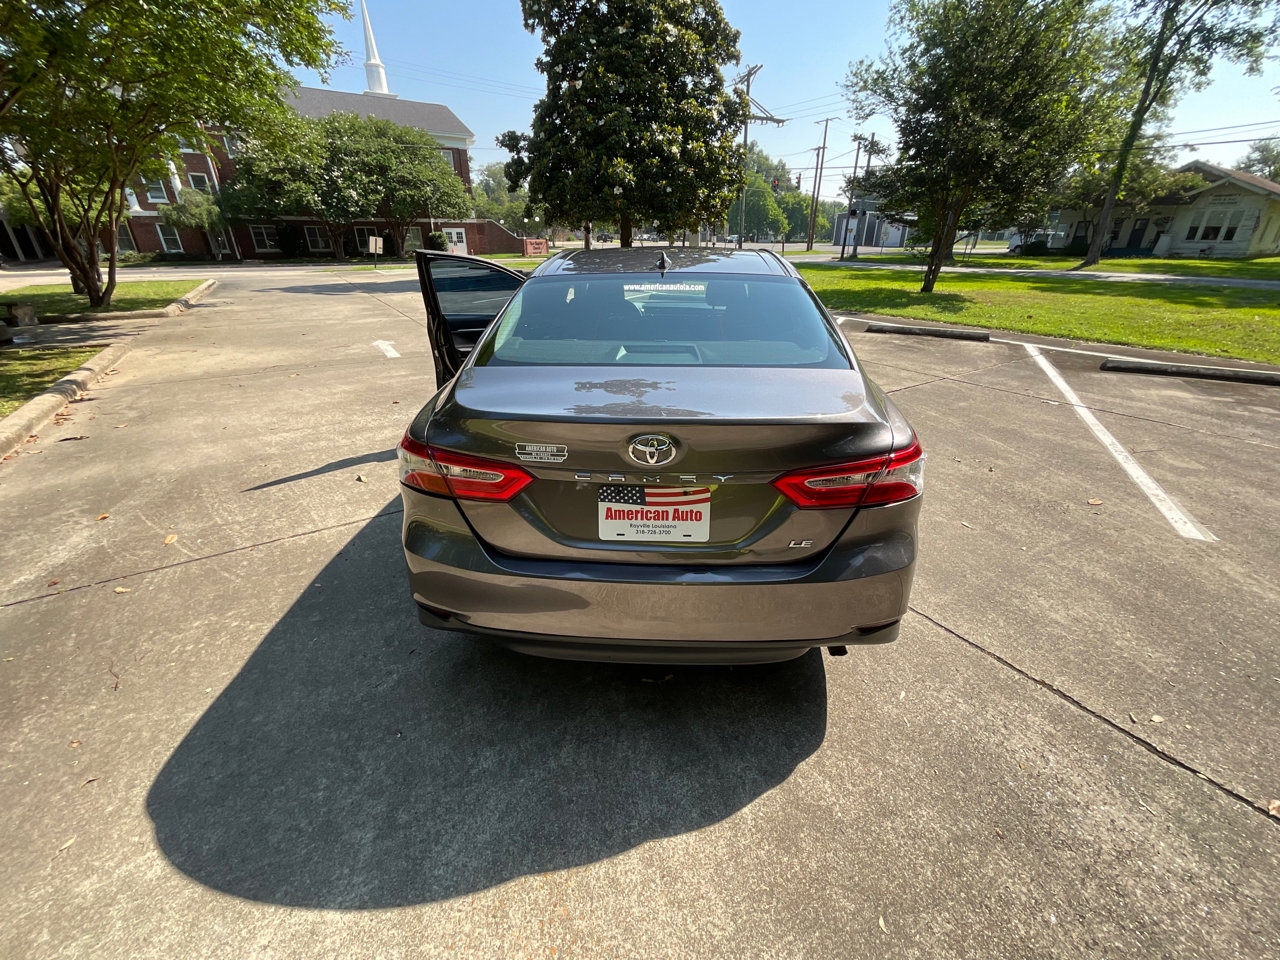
(652, 450)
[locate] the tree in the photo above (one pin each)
(1172, 45)
(343, 168)
(795, 207)
(495, 200)
(414, 180)
(636, 125)
(95, 94)
(1150, 179)
(1262, 160)
(992, 101)
(763, 216)
(197, 210)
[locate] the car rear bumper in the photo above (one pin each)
(856, 592)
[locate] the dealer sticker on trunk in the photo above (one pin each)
(680, 514)
(542, 452)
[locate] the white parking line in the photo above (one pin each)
(1180, 520)
(386, 347)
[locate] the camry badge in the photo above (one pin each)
(652, 450)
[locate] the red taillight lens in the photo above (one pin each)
(433, 470)
(889, 478)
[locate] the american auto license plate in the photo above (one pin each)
(677, 514)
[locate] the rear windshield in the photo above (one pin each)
(646, 320)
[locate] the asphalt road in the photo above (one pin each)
(238, 742)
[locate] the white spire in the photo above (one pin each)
(375, 74)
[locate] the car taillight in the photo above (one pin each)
(433, 470)
(889, 478)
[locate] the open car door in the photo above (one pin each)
(462, 296)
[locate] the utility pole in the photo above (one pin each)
(764, 116)
(817, 181)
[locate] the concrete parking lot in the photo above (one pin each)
(229, 737)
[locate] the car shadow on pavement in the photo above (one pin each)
(360, 761)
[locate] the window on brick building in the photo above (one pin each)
(413, 240)
(170, 242)
(450, 159)
(124, 239)
(264, 236)
(155, 191)
(318, 240)
(199, 181)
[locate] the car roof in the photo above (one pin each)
(683, 260)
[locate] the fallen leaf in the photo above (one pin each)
(1095, 502)
(53, 583)
(360, 478)
(963, 524)
(73, 744)
(882, 926)
(103, 516)
(82, 437)
(292, 375)
(1273, 808)
(121, 426)
(1132, 718)
(124, 589)
(1157, 719)
(89, 781)
(67, 844)
(170, 538)
(999, 833)
(394, 402)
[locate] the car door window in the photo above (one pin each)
(471, 291)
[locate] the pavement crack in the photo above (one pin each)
(395, 512)
(1067, 698)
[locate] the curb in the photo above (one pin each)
(181, 305)
(947, 333)
(39, 410)
(1230, 374)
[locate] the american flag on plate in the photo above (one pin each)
(636, 496)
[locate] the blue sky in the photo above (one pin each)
(477, 58)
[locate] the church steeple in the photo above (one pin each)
(375, 74)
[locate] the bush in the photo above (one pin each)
(436, 241)
(1036, 248)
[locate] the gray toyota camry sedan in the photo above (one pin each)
(654, 456)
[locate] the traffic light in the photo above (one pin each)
(775, 186)
(797, 181)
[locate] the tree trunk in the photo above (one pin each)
(586, 235)
(944, 240)
(624, 230)
(1157, 76)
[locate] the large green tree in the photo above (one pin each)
(992, 101)
(414, 180)
(1262, 160)
(1150, 179)
(1171, 46)
(96, 94)
(636, 125)
(344, 168)
(763, 215)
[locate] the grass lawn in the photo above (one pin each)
(1265, 268)
(54, 299)
(1215, 321)
(26, 372)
